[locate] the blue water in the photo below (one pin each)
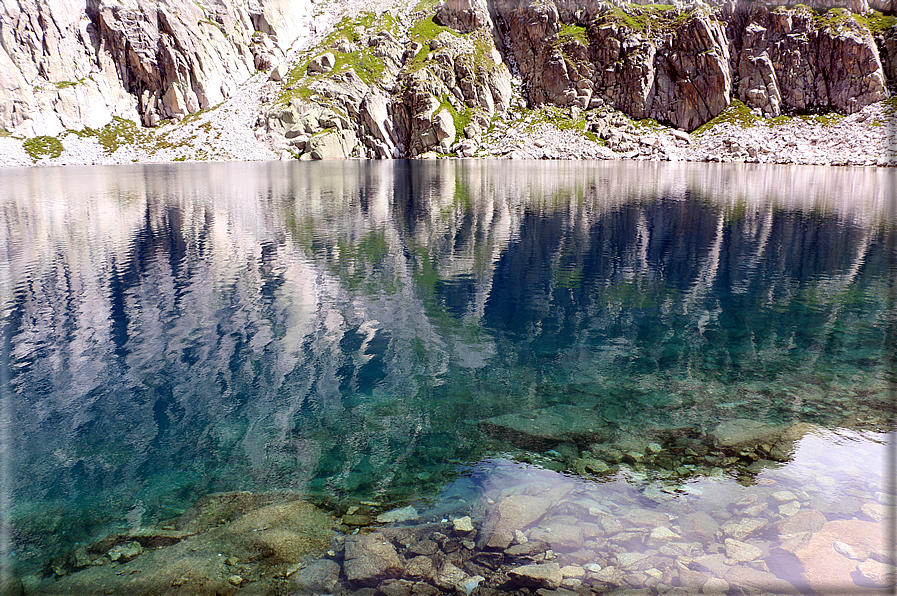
(341, 329)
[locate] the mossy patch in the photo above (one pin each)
(647, 18)
(573, 32)
(369, 68)
(426, 29)
(117, 133)
(5, 133)
(736, 113)
(875, 21)
(38, 147)
(67, 84)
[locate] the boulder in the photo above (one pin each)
(876, 574)
(278, 72)
(540, 575)
(370, 559)
(754, 581)
(826, 568)
(743, 433)
(516, 512)
(318, 576)
(543, 428)
(464, 16)
(322, 64)
(444, 127)
(331, 145)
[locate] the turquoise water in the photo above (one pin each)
(343, 330)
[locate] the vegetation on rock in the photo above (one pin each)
(38, 147)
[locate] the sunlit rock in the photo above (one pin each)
(827, 570)
(370, 558)
(543, 575)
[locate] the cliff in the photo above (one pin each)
(404, 80)
(65, 65)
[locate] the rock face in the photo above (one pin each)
(788, 61)
(679, 66)
(374, 89)
(64, 66)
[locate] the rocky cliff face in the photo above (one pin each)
(680, 66)
(67, 65)
(403, 82)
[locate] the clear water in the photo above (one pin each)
(342, 329)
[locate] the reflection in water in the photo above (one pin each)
(343, 330)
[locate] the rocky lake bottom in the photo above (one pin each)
(752, 509)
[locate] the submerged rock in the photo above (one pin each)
(272, 539)
(370, 559)
(542, 575)
(544, 428)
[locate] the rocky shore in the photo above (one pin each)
(227, 133)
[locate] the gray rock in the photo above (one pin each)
(754, 581)
(318, 576)
(278, 72)
(698, 526)
(331, 145)
(742, 528)
(370, 558)
(741, 551)
(541, 575)
(810, 520)
(450, 577)
(464, 16)
(322, 64)
(743, 433)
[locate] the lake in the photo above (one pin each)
(713, 343)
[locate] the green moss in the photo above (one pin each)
(425, 30)
(875, 21)
(115, 134)
(369, 68)
(5, 133)
(38, 147)
(426, 5)
(647, 18)
(573, 32)
(735, 113)
(460, 118)
(67, 84)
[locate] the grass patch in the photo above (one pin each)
(426, 29)
(573, 32)
(647, 18)
(736, 113)
(5, 133)
(875, 21)
(38, 147)
(115, 134)
(67, 84)
(369, 68)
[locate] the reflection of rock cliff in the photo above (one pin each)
(402, 84)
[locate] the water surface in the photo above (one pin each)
(343, 330)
